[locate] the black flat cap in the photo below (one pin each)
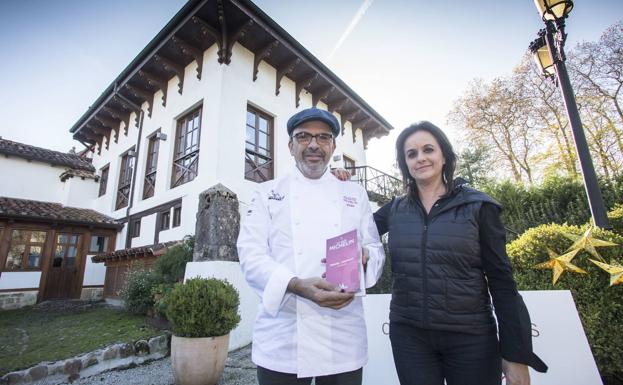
(310, 114)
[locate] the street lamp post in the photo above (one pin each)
(549, 54)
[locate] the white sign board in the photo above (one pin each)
(557, 337)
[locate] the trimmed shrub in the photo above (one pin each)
(202, 308)
(137, 293)
(615, 217)
(170, 266)
(600, 307)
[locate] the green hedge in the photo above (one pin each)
(615, 217)
(600, 306)
(202, 308)
(556, 200)
(137, 293)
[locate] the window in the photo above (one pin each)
(25, 250)
(149, 184)
(349, 165)
(258, 164)
(66, 250)
(125, 179)
(165, 220)
(135, 228)
(103, 180)
(186, 155)
(177, 216)
(99, 244)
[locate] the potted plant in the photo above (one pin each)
(201, 312)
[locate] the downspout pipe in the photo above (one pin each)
(141, 118)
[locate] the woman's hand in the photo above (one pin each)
(341, 174)
(515, 373)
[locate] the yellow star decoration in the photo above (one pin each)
(587, 242)
(615, 270)
(560, 263)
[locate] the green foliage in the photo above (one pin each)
(159, 293)
(600, 306)
(202, 308)
(557, 200)
(170, 267)
(615, 217)
(384, 284)
(137, 293)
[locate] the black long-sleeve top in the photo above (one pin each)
(514, 325)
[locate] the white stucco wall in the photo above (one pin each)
(19, 280)
(30, 180)
(78, 192)
(94, 273)
(148, 225)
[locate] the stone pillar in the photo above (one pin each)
(218, 223)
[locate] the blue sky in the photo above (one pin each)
(408, 59)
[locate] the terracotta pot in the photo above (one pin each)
(198, 361)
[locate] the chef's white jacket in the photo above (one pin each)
(282, 236)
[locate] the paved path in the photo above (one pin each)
(239, 370)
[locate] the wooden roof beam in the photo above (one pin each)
(156, 81)
(262, 54)
(171, 66)
(209, 30)
(284, 70)
(109, 123)
(120, 115)
(237, 35)
(190, 50)
(305, 83)
(321, 94)
(141, 93)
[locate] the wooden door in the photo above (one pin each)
(63, 273)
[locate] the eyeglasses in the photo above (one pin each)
(305, 138)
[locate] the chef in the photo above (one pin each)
(307, 327)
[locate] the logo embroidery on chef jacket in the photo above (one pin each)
(275, 196)
(350, 201)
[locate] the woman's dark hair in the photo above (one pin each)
(446, 150)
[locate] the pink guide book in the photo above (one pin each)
(343, 261)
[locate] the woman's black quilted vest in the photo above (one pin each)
(437, 269)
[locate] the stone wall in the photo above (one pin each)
(117, 356)
(17, 299)
(92, 293)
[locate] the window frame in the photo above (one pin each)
(151, 166)
(347, 159)
(253, 171)
(181, 173)
(135, 228)
(104, 173)
(25, 266)
(164, 222)
(106, 243)
(176, 220)
(126, 172)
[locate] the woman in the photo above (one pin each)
(447, 248)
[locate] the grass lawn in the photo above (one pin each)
(29, 336)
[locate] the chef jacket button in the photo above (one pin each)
(300, 252)
(297, 223)
(295, 197)
(335, 225)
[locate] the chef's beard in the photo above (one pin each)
(312, 170)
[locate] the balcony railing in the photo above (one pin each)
(381, 187)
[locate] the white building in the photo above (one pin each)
(205, 102)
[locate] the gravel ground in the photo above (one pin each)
(239, 370)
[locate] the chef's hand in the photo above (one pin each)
(341, 174)
(515, 373)
(364, 258)
(320, 291)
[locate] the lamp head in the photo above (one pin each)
(555, 10)
(542, 56)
